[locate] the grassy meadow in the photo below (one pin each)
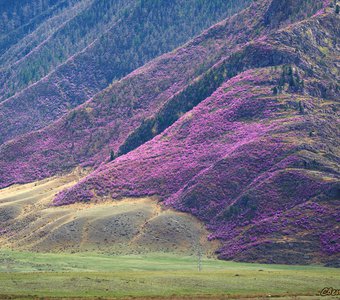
(27, 275)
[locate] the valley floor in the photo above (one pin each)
(28, 275)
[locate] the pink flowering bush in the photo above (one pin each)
(87, 134)
(230, 166)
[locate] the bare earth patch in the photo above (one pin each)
(127, 226)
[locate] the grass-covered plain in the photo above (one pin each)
(87, 275)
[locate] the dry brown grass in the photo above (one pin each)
(123, 227)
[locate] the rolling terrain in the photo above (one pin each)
(230, 140)
(28, 222)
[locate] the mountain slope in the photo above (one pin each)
(26, 24)
(19, 14)
(258, 160)
(239, 127)
(88, 134)
(99, 43)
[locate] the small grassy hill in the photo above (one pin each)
(128, 226)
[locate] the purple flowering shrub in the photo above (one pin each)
(184, 150)
(231, 167)
(85, 195)
(87, 134)
(330, 241)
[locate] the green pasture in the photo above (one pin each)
(26, 275)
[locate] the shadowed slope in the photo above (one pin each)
(29, 24)
(99, 42)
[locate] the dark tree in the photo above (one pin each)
(112, 155)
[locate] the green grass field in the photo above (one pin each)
(25, 275)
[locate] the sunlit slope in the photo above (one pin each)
(126, 226)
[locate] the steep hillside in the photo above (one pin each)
(94, 43)
(45, 35)
(20, 13)
(240, 127)
(257, 160)
(89, 133)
